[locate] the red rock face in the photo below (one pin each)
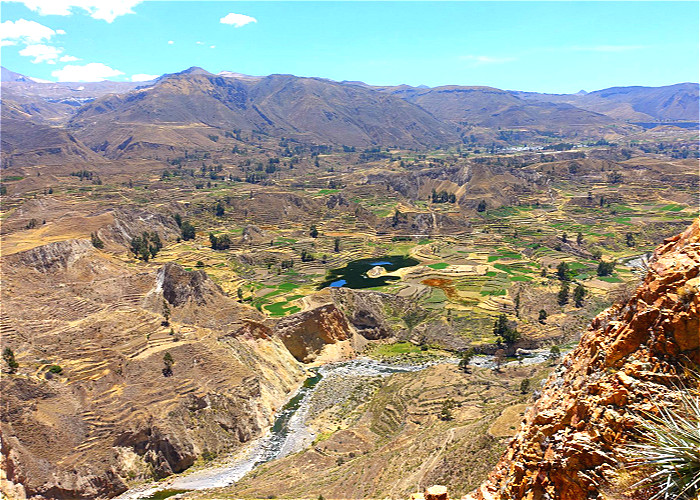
(630, 354)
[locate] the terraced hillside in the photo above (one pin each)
(393, 437)
(164, 293)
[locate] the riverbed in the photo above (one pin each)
(289, 432)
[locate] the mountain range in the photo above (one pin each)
(183, 109)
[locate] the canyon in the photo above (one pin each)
(183, 259)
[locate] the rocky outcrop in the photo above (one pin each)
(367, 311)
(131, 222)
(180, 287)
(194, 299)
(306, 333)
(632, 355)
(253, 234)
(56, 256)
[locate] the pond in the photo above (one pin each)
(354, 274)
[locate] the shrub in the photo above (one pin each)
(668, 456)
(168, 364)
(525, 386)
(96, 241)
(9, 357)
(55, 369)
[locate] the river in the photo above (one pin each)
(289, 433)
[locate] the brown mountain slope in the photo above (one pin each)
(26, 143)
(628, 361)
(310, 109)
(107, 413)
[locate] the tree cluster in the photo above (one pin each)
(222, 242)
(443, 197)
(503, 330)
(146, 246)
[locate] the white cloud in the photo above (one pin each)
(199, 43)
(27, 32)
(91, 72)
(142, 77)
(479, 60)
(107, 10)
(237, 20)
(170, 42)
(41, 53)
(68, 59)
(212, 46)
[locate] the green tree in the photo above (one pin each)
(502, 330)
(220, 209)
(313, 232)
(605, 268)
(542, 318)
(466, 358)
(579, 238)
(446, 409)
(188, 231)
(166, 313)
(481, 207)
(563, 271)
(579, 294)
(554, 353)
(563, 295)
(168, 363)
(336, 244)
(10, 362)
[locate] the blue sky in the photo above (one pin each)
(536, 46)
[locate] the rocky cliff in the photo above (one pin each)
(306, 333)
(633, 354)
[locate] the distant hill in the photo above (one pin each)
(310, 109)
(10, 76)
(677, 102)
(55, 101)
(27, 143)
(492, 108)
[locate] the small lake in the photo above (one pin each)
(354, 274)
